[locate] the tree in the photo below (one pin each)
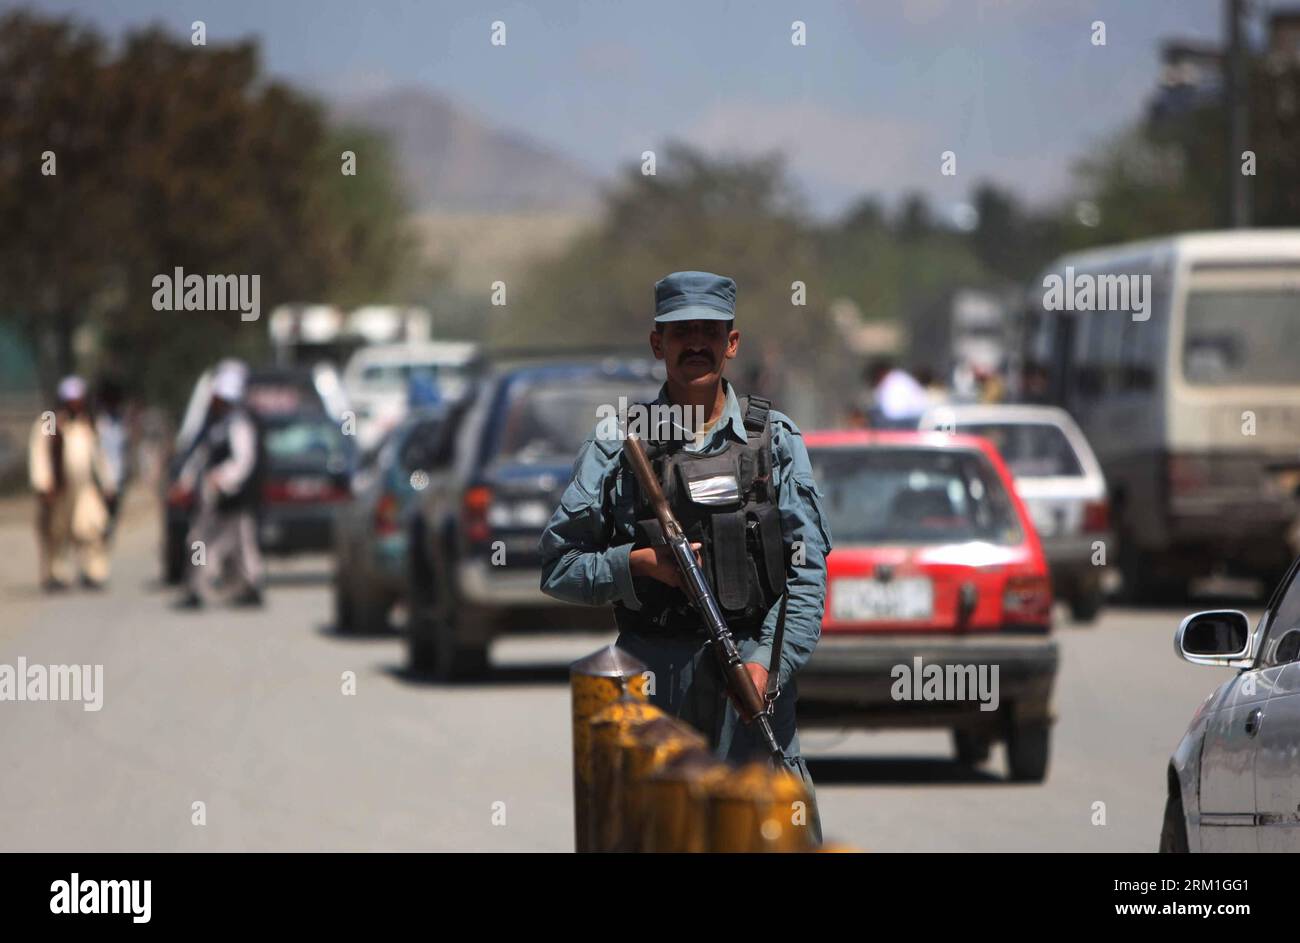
(736, 217)
(1011, 242)
(1170, 173)
(170, 155)
(56, 229)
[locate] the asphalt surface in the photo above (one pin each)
(244, 711)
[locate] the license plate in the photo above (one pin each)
(305, 488)
(866, 600)
(1049, 519)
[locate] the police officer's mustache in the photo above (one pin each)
(687, 354)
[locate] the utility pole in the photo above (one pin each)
(1236, 92)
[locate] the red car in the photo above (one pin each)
(939, 602)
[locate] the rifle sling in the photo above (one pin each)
(774, 667)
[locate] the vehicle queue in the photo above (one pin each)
(952, 540)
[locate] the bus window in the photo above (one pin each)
(1242, 336)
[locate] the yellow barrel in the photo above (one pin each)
(595, 682)
(612, 730)
(676, 802)
(759, 808)
(645, 751)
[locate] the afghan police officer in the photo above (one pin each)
(223, 471)
(739, 481)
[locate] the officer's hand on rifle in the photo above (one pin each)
(657, 562)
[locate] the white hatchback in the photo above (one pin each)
(378, 377)
(1061, 483)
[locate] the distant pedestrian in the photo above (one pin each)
(992, 389)
(222, 472)
(110, 426)
(72, 481)
(896, 400)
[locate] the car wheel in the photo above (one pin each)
(343, 612)
(421, 655)
(454, 659)
(421, 658)
(1028, 748)
(421, 650)
(174, 561)
(1173, 831)
(1086, 606)
(370, 610)
(972, 749)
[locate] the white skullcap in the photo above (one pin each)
(70, 388)
(231, 363)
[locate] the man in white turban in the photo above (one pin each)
(71, 479)
(222, 470)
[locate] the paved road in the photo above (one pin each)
(244, 711)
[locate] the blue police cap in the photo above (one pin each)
(694, 296)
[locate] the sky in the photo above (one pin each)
(1016, 89)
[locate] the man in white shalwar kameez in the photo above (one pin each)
(71, 478)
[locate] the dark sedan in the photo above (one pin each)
(475, 563)
(305, 459)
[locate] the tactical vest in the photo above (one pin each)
(249, 494)
(727, 503)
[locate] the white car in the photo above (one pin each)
(1234, 781)
(1061, 483)
(377, 379)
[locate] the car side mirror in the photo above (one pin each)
(1219, 637)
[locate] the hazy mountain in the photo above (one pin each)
(453, 162)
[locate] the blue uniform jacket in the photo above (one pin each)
(579, 566)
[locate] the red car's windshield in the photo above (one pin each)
(913, 495)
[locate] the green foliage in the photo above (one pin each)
(1275, 129)
(739, 217)
(889, 267)
(1172, 175)
(736, 217)
(1142, 187)
(170, 155)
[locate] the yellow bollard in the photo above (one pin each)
(676, 802)
(645, 751)
(759, 809)
(612, 730)
(595, 682)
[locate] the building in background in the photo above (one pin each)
(1191, 77)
